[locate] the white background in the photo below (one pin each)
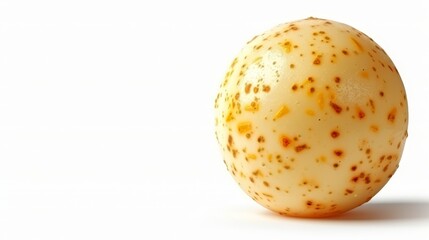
(106, 120)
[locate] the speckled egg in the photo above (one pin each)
(311, 118)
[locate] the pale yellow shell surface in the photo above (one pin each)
(311, 118)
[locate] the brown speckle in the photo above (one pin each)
(335, 134)
(367, 180)
(317, 61)
(357, 44)
(256, 89)
(287, 46)
(336, 107)
(294, 87)
(338, 152)
(337, 79)
(266, 88)
(301, 147)
(285, 141)
(360, 113)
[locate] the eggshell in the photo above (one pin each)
(311, 118)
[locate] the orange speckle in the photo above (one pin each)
(257, 173)
(321, 100)
(283, 110)
(253, 107)
(374, 128)
(244, 127)
(247, 87)
(364, 74)
(285, 141)
(309, 112)
(237, 96)
(229, 116)
(287, 46)
(256, 89)
(266, 88)
(392, 115)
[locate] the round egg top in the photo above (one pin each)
(311, 118)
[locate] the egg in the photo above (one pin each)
(311, 118)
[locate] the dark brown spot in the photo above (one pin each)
(335, 134)
(266, 184)
(353, 168)
(337, 79)
(349, 191)
(338, 152)
(345, 52)
(294, 87)
(367, 180)
(360, 113)
(336, 107)
(309, 203)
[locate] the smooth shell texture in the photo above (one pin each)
(312, 118)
